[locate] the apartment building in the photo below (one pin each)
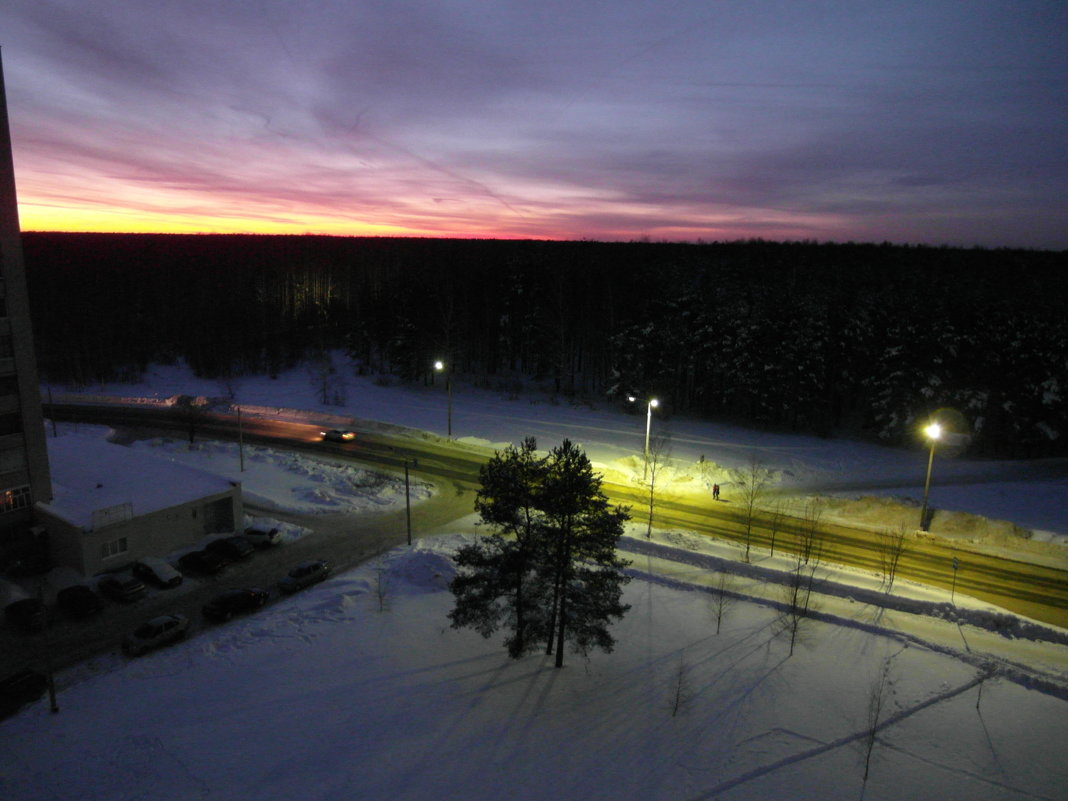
(24, 472)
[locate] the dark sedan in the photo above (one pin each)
(231, 549)
(27, 614)
(203, 562)
(121, 587)
(79, 601)
(235, 602)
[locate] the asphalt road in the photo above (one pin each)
(1034, 590)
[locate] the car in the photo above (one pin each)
(234, 602)
(231, 549)
(263, 539)
(79, 601)
(19, 689)
(27, 614)
(158, 571)
(338, 435)
(204, 562)
(304, 575)
(154, 633)
(28, 564)
(121, 587)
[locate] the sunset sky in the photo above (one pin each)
(927, 122)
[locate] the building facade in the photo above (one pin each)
(24, 472)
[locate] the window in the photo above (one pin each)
(113, 548)
(15, 498)
(10, 424)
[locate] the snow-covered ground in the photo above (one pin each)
(359, 689)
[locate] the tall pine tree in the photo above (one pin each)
(549, 573)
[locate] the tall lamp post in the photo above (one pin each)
(439, 366)
(934, 433)
(653, 403)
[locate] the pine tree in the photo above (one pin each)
(549, 573)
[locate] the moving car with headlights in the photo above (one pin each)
(235, 602)
(338, 435)
(304, 575)
(156, 632)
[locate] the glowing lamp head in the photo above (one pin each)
(439, 365)
(654, 403)
(933, 431)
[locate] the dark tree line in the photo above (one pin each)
(803, 336)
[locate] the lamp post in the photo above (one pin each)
(933, 432)
(653, 403)
(439, 366)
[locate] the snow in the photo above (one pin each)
(87, 479)
(358, 688)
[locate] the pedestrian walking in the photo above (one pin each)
(715, 492)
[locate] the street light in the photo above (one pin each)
(653, 403)
(934, 433)
(439, 366)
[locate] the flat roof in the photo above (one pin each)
(90, 476)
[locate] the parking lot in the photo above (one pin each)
(344, 540)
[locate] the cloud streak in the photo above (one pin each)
(906, 121)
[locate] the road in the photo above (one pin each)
(1034, 590)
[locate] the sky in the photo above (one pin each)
(913, 122)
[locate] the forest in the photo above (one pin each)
(832, 339)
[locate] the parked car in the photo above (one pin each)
(154, 633)
(20, 689)
(203, 562)
(231, 549)
(235, 602)
(157, 571)
(304, 575)
(79, 601)
(28, 564)
(338, 435)
(262, 539)
(27, 614)
(121, 587)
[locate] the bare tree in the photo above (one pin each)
(809, 542)
(722, 597)
(775, 520)
(892, 546)
(877, 697)
(797, 598)
(381, 588)
(681, 691)
(752, 480)
(659, 453)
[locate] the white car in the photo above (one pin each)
(263, 538)
(157, 571)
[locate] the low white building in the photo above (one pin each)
(112, 505)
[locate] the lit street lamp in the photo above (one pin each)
(934, 433)
(653, 403)
(439, 366)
